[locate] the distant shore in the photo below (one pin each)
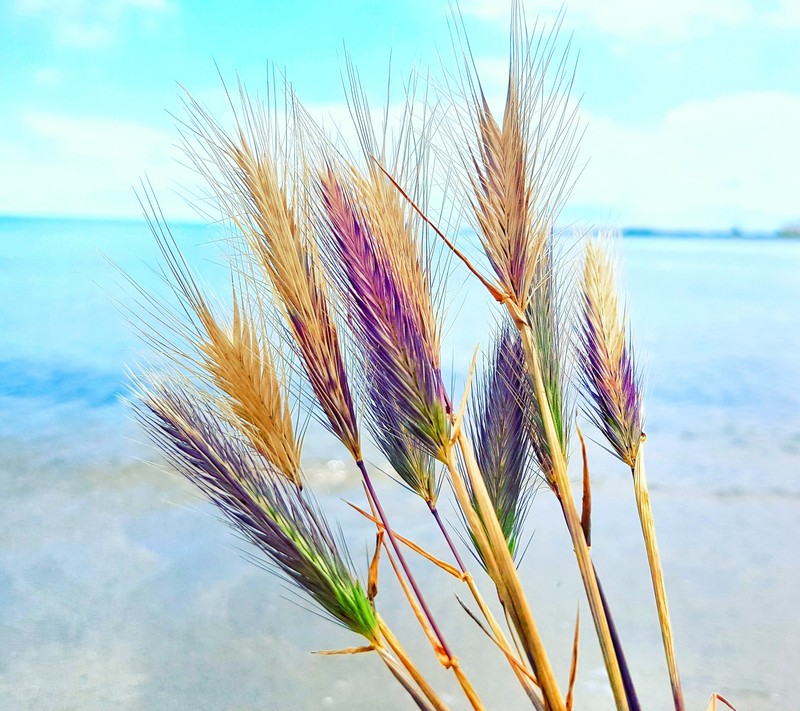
(788, 231)
(732, 233)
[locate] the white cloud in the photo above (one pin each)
(89, 24)
(785, 16)
(57, 164)
(654, 20)
(48, 76)
(71, 165)
(729, 161)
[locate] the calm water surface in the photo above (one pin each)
(120, 589)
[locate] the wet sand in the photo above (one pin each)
(120, 588)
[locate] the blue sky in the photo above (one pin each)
(692, 107)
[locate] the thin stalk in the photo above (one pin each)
(526, 679)
(447, 538)
(493, 290)
(586, 524)
(468, 689)
(448, 662)
(473, 521)
(519, 670)
(627, 680)
(406, 681)
(563, 490)
(394, 644)
(514, 636)
(445, 656)
(523, 675)
(503, 571)
(401, 559)
(656, 573)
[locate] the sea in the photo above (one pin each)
(121, 588)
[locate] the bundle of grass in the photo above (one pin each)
(333, 257)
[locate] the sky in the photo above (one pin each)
(691, 108)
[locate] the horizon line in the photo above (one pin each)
(628, 230)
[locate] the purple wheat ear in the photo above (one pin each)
(611, 383)
(276, 516)
(613, 395)
(500, 431)
(396, 342)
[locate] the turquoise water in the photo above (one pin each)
(118, 588)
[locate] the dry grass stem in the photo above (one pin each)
(657, 574)
(573, 667)
(494, 550)
(515, 203)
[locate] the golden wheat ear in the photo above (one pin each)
(519, 170)
(258, 176)
(232, 359)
